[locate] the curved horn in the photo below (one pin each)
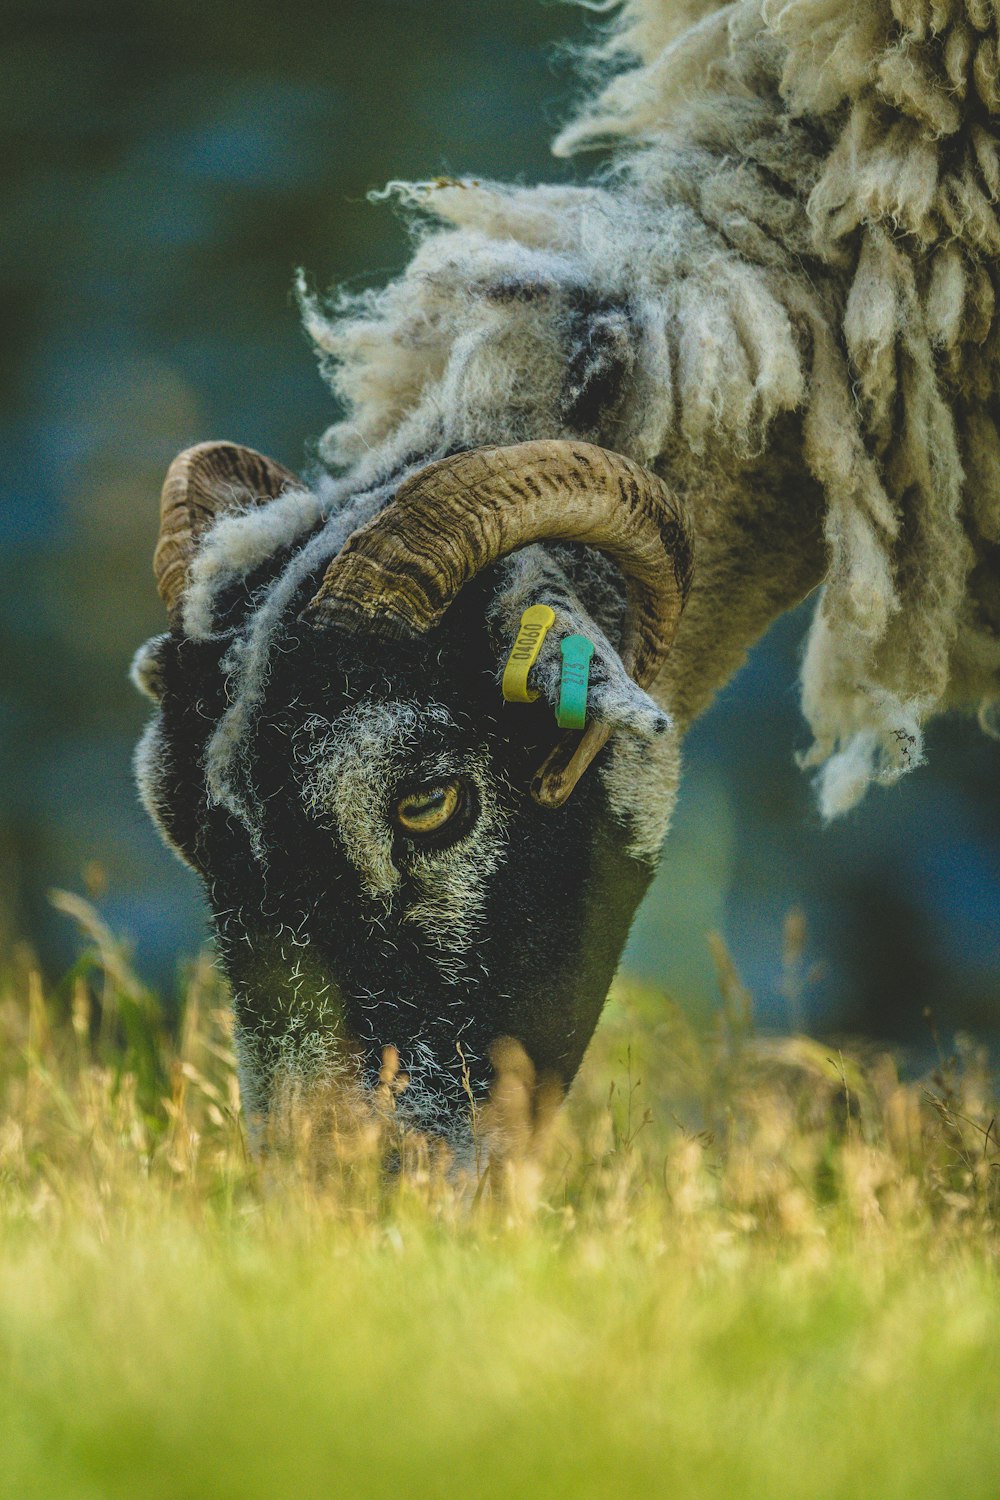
(397, 575)
(201, 484)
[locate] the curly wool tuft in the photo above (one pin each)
(800, 216)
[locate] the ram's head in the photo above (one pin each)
(395, 856)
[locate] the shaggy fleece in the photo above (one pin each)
(799, 216)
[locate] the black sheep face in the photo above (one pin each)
(378, 873)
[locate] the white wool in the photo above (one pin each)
(801, 218)
(239, 542)
(446, 357)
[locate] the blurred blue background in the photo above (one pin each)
(165, 168)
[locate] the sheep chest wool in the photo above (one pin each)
(755, 357)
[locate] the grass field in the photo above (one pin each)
(731, 1266)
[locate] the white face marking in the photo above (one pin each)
(353, 768)
(248, 664)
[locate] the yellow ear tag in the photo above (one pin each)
(535, 625)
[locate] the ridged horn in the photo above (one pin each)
(397, 576)
(202, 483)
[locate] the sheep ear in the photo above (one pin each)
(146, 671)
(202, 484)
(614, 699)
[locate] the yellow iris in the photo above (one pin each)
(430, 808)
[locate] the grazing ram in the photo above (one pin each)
(758, 355)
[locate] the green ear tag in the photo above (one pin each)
(535, 624)
(576, 654)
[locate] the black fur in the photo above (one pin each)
(308, 952)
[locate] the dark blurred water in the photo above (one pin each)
(165, 168)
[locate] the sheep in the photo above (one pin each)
(753, 359)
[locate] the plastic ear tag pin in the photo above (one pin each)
(536, 622)
(572, 710)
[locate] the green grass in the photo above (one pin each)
(730, 1266)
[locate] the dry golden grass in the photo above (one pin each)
(730, 1264)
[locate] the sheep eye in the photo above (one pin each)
(429, 808)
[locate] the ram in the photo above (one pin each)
(756, 358)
